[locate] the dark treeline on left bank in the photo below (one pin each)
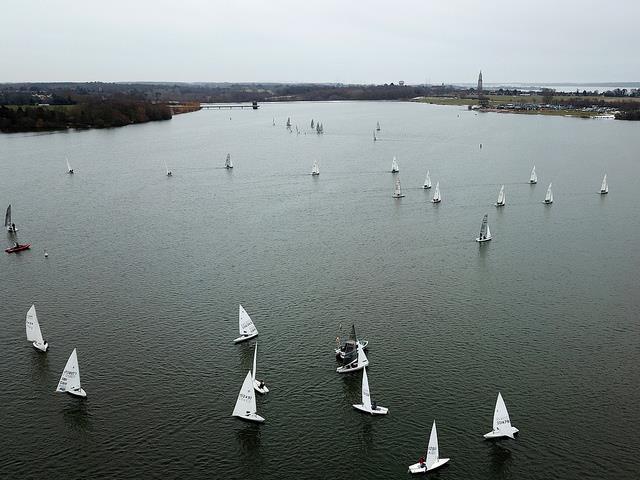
(70, 111)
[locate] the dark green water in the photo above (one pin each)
(145, 274)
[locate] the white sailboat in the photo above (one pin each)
(350, 347)
(501, 421)
(367, 405)
(358, 363)
(34, 334)
(246, 403)
(427, 181)
(315, 170)
(245, 325)
(70, 379)
(377, 126)
(397, 191)
(8, 223)
(548, 198)
(501, 198)
(228, 163)
(169, 173)
(312, 124)
(604, 188)
(69, 169)
(533, 178)
(374, 136)
(394, 166)
(436, 195)
(288, 122)
(432, 459)
(258, 385)
(485, 232)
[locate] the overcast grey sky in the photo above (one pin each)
(320, 40)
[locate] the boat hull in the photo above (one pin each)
(354, 369)
(38, 346)
(499, 204)
(436, 201)
(603, 192)
(416, 468)
(426, 187)
(398, 196)
(18, 249)
(377, 411)
(257, 388)
(251, 417)
(77, 393)
(548, 202)
(11, 230)
(481, 240)
(244, 338)
(499, 434)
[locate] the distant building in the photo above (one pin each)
(480, 82)
(401, 83)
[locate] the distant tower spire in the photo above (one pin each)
(480, 82)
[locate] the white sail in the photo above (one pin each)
(255, 360)
(288, 121)
(374, 136)
(69, 169)
(436, 194)
(397, 192)
(501, 420)
(485, 233)
(501, 197)
(534, 177)
(378, 126)
(394, 166)
(227, 162)
(427, 181)
(246, 403)
(604, 188)
(70, 379)
(33, 327)
(366, 396)
(548, 198)
(7, 217)
(315, 170)
(245, 324)
(433, 452)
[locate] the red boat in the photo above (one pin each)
(19, 248)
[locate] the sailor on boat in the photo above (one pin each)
(13, 227)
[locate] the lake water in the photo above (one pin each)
(145, 274)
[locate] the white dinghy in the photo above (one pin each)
(228, 164)
(33, 330)
(501, 421)
(246, 403)
(427, 181)
(245, 325)
(397, 190)
(315, 170)
(358, 363)
(485, 232)
(436, 195)
(69, 169)
(350, 347)
(258, 385)
(169, 172)
(378, 126)
(394, 165)
(548, 198)
(501, 198)
(432, 459)
(533, 179)
(367, 405)
(70, 379)
(8, 223)
(604, 188)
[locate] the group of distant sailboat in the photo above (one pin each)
(70, 378)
